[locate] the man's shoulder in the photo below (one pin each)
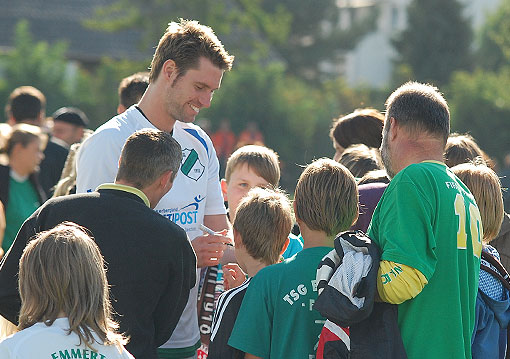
(191, 132)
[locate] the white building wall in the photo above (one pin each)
(371, 62)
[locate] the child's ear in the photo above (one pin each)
(223, 183)
(238, 241)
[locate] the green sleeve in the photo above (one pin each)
(403, 228)
(253, 326)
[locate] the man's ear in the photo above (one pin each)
(169, 70)
(394, 128)
(11, 121)
(224, 186)
(166, 180)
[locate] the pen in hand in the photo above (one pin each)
(211, 232)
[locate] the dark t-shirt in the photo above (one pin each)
(223, 323)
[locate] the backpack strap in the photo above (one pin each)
(504, 279)
(501, 272)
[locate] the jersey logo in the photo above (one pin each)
(191, 165)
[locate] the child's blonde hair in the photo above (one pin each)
(62, 272)
(485, 186)
(264, 220)
(326, 197)
(262, 160)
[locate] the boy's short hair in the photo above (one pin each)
(264, 220)
(485, 186)
(326, 197)
(360, 159)
(262, 160)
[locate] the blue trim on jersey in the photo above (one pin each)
(195, 134)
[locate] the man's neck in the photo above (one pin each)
(419, 151)
(152, 105)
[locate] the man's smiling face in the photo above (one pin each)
(193, 91)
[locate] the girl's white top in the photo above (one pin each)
(43, 342)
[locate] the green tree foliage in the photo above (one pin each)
(480, 105)
(37, 64)
(494, 50)
(436, 42)
(303, 33)
(294, 117)
(45, 67)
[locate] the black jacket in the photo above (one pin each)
(151, 264)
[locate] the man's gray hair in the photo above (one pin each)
(146, 155)
(419, 107)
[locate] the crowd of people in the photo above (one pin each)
(125, 242)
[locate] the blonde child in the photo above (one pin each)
(248, 167)
(276, 319)
(262, 222)
(492, 313)
(65, 308)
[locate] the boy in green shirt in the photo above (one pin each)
(276, 319)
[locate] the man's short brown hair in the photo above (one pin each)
(25, 103)
(262, 160)
(326, 197)
(485, 186)
(264, 220)
(146, 155)
(185, 42)
(132, 88)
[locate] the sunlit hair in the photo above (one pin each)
(146, 155)
(260, 159)
(62, 271)
(132, 88)
(326, 197)
(185, 42)
(420, 108)
(360, 159)
(23, 134)
(485, 186)
(25, 103)
(362, 126)
(264, 220)
(462, 148)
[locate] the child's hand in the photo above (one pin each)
(233, 276)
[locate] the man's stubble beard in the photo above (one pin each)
(385, 153)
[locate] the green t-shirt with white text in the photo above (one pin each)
(427, 219)
(276, 319)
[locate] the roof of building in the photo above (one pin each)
(57, 20)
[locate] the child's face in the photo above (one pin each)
(242, 179)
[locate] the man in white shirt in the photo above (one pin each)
(186, 69)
